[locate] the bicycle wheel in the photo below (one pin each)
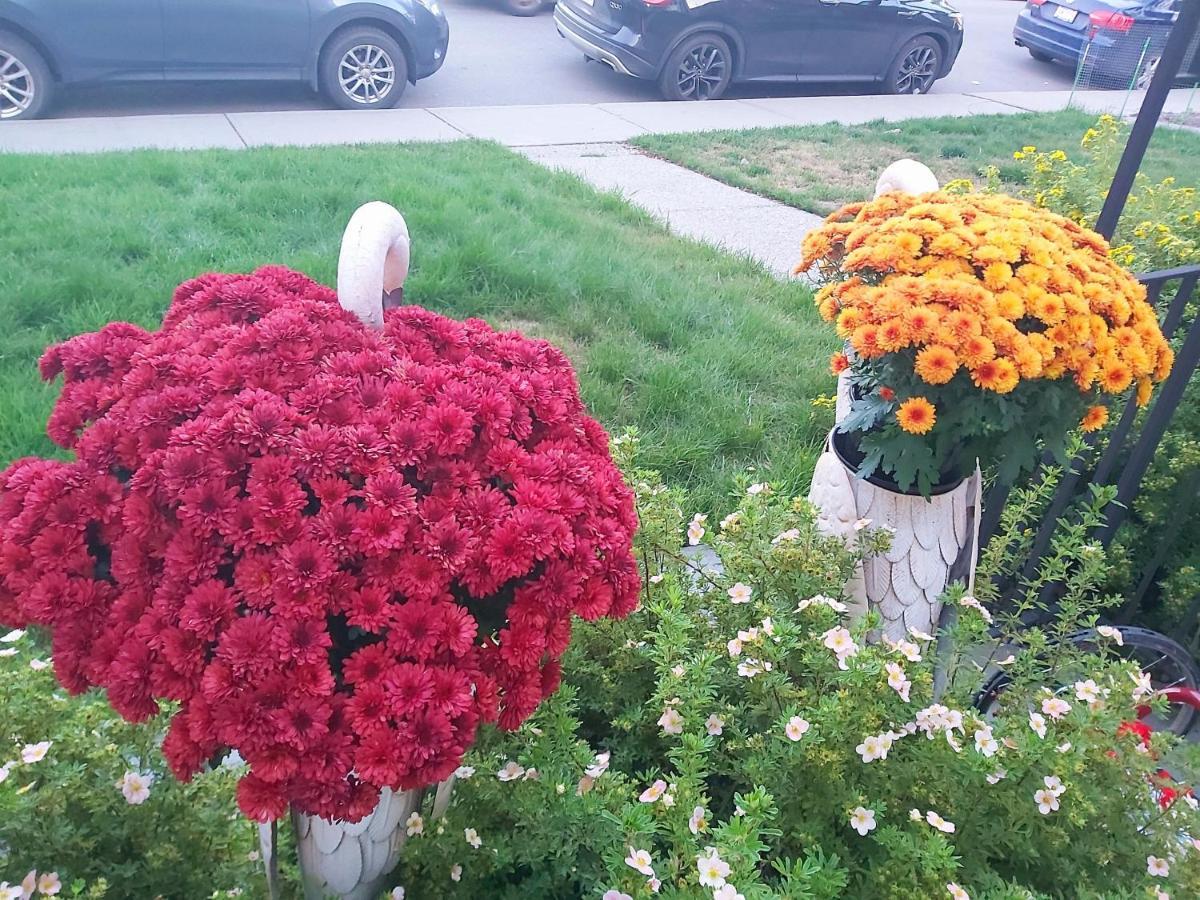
(1167, 663)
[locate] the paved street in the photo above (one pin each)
(499, 60)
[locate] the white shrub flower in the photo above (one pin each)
(32, 753)
(1046, 800)
(414, 825)
(640, 861)
(135, 787)
(985, 743)
(652, 793)
(1055, 707)
(939, 823)
(510, 771)
(671, 721)
(796, 728)
(713, 870)
(862, 820)
(1157, 867)
(740, 593)
(1038, 723)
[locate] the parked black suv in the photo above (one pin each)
(359, 53)
(696, 48)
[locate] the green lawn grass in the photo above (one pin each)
(820, 167)
(712, 359)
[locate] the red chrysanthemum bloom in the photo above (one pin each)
(339, 550)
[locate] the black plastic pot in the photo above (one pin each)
(846, 446)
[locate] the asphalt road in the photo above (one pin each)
(500, 60)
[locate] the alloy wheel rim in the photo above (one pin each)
(701, 72)
(17, 89)
(366, 74)
(916, 71)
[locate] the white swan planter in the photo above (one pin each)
(929, 536)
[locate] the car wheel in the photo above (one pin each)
(698, 69)
(26, 85)
(364, 68)
(916, 67)
(522, 7)
(1039, 55)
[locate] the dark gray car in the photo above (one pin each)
(360, 53)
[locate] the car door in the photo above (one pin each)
(97, 39)
(775, 34)
(851, 39)
(236, 38)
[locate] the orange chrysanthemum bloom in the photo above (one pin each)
(996, 275)
(998, 375)
(1095, 418)
(922, 323)
(1049, 308)
(847, 321)
(838, 363)
(1115, 376)
(893, 335)
(916, 415)
(976, 350)
(936, 364)
(1143, 391)
(865, 341)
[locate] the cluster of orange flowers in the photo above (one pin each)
(988, 284)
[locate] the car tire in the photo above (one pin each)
(522, 7)
(363, 68)
(915, 68)
(1039, 55)
(26, 84)
(700, 68)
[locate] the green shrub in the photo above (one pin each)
(776, 786)
(67, 813)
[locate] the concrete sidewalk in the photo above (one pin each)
(522, 126)
(692, 205)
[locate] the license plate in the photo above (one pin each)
(1065, 15)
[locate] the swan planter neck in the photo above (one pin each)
(352, 861)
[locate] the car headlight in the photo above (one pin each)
(432, 5)
(956, 18)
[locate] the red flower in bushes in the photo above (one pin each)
(339, 550)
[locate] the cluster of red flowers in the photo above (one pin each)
(339, 550)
